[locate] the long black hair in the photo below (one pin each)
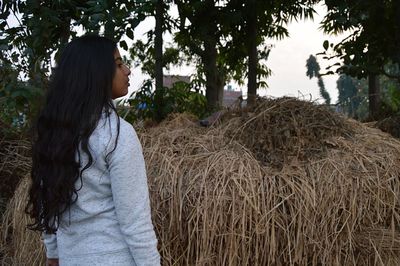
(79, 92)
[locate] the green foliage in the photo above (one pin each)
(230, 19)
(390, 95)
(313, 69)
(272, 18)
(393, 96)
(143, 55)
(323, 92)
(211, 33)
(349, 98)
(43, 29)
(353, 97)
(215, 34)
(373, 36)
(18, 100)
(178, 99)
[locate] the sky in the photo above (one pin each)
(287, 61)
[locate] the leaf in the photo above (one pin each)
(16, 93)
(3, 47)
(123, 45)
(4, 15)
(129, 33)
(98, 17)
(3, 25)
(326, 44)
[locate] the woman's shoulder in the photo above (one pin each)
(112, 125)
(112, 120)
(126, 128)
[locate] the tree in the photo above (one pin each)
(228, 37)
(372, 43)
(348, 97)
(163, 22)
(353, 95)
(199, 35)
(44, 28)
(251, 19)
(158, 45)
(313, 69)
(254, 22)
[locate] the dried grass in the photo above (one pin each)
(19, 245)
(390, 125)
(277, 130)
(14, 164)
(217, 200)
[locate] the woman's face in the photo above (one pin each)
(121, 77)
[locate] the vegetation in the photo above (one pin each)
(226, 40)
(353, 97)
(178, 99)
(371, 45)
(313, 69)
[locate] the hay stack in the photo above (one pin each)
(19, 245)
(390, 125)
(222, 196)
(14, 164)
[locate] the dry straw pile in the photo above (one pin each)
(286, 183)
(19, 245)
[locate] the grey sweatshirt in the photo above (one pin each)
(110, 224)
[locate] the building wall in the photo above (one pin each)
(230, 97)
(169, 80)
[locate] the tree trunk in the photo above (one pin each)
(374, 95)
(397, 32)
(158, 42)
(252, 53)
(214, 83)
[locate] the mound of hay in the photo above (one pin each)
(284, 128)
(19, 245)
(390, 125)
(14, 164)
(219, 200)
(222, 196)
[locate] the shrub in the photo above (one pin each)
(146, 102)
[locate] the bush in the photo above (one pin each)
(19, 100)
(147, 103)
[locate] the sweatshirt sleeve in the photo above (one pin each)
(131, 197)
(50, 243)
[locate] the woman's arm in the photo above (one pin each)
(52, 262)
(50, 243)
(131, 197)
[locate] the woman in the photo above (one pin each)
(89, 193)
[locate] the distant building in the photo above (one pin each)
(230, 96)
(169, 80)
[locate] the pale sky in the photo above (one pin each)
(287, 61)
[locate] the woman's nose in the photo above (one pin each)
(127, 71)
